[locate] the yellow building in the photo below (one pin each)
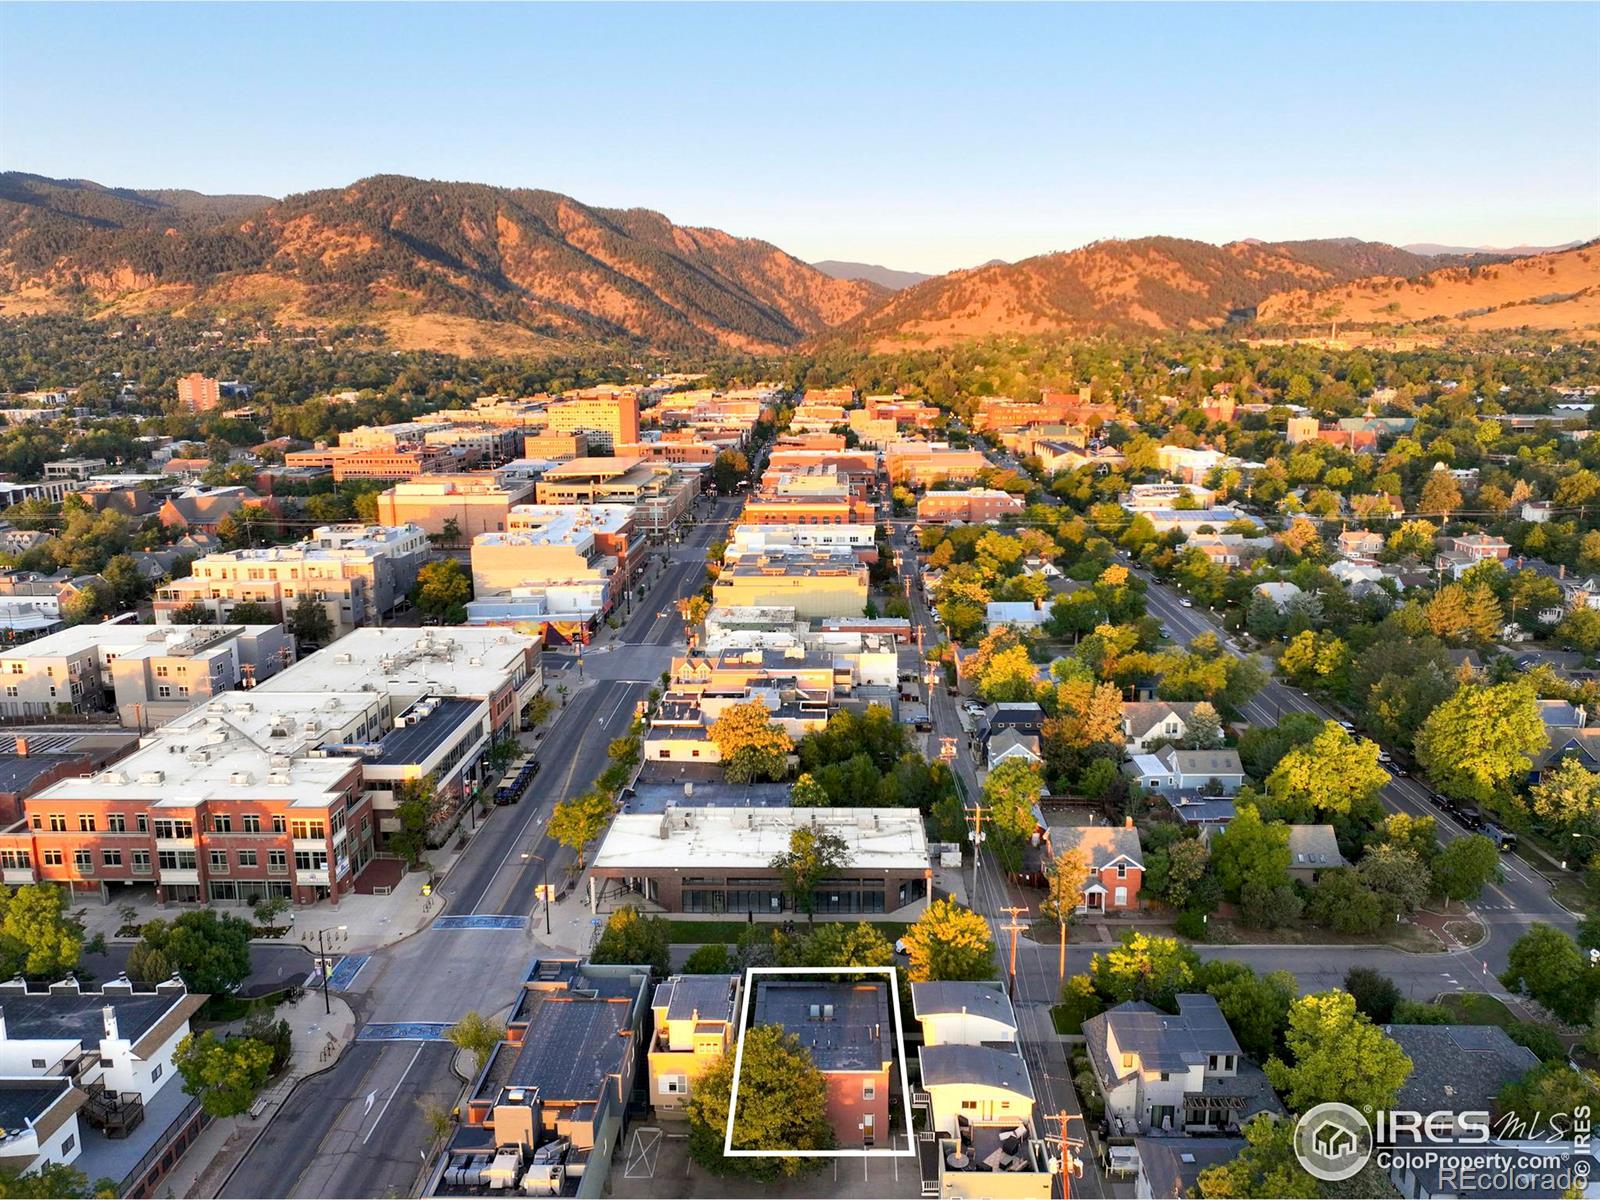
(813, 583)
(695, 1023)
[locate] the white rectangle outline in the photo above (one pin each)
(738, 1061)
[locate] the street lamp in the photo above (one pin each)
(544, 886)
(322, 967)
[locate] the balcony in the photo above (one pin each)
(180, 875)
(315, 876)
(174, 844)
(13, 876)
(310, 844)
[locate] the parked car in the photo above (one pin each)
(1502, 838)
(1186, 602)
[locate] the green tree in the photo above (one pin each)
(416, 807)
(1547, 966)
(1256, 1006)
(1548, 1097)
(632, 938)
(128, 586)
(1374, 992)
(1466, 866)
(1567, 795)
(1344, 903)
(209, 950)
(442, 590)
(1266, 1169)
(248, 612)
(1477, 744)
(1395, 874)
(1010, 793)
(709, 959)
(309, 623)
(579, 820)
(38, 938)
(1250, 851)
(1144, 967)
(223, 1076)
(783, 1106)
(728, 470)
(750, 744)
(841, 944)
(476, 1034)
(949, 942)
(813, 855)
(54, 1181)
(1332, 774)
(1337, 1056)
(190, 614)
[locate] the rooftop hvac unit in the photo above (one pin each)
(152, 776)
(502, 1173)
(241, 779)
(195, 756)
(543, 1179)
(280, 778)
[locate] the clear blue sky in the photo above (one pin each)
(920, 136)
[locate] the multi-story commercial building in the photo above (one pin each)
(606, 417)
(661, 495)
(560, 567)
(150, 674)
(836, 508)
(815, 583)
(287, 789)
(486, 444)
(975, 505)
(922, 464)
(753, 541)
(73, 468)
(719, 859)
(476, 503)
(356, 572)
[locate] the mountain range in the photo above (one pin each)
(469, 268)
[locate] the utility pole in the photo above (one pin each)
(977, 811)
(1071, 1163)
(1014, 927)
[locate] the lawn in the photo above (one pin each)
(696, 933)
(1063, 1020)
(1477, 1008)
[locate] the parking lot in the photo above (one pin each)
(653, 1161)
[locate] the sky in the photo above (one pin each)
(924, 137)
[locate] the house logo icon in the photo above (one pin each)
(1333, 1141)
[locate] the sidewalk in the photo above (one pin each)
(319, 1039)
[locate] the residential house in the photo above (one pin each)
(1360, 544)
(1011, 744)
(1581, 744)
(113, 1050)
(1166, 1074)
(203, 509)
(1146, 722)
(1170, 770)
(696, 1020)
(1116, 863)
(1169, 1168)
(1023, 716)
(981, 1139)
(849, 1032)
(1313, 849)
(1281, 594)
(1024, 614)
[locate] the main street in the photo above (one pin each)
(362, 1127)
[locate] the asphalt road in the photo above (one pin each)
(359, 1128)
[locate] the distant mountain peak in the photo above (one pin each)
(886, 277)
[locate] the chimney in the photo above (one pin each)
(22, 746)
(109, 1012)
(1127, 822)
(1561, 571)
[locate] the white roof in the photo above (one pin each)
(126, 640)
(457, 661)
(723, 837)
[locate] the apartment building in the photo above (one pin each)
(815, 583)
(199, 393)
(695, 1019)
(922, 464)
(476, 503)
(606, 417)
(149, 674)
(73, 468)
(488, 444)
(837, 508)
(356, 572)
(974, 505)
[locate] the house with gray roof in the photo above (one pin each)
(1173, 1074)
(1169, 1168)
(1013, 743)
(1116, 863)
(696, 1019)
(1313, 849)
(1146, 722)
(980, 1096)
(1458, 1068)
(1170, 770)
